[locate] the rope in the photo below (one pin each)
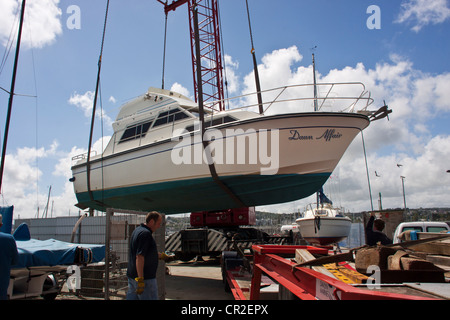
(88, 166)
(9, 43)
(250, 26)
(11, 95)
(316, 224)
(255, 64)
(367, 170)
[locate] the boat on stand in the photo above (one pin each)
(323, 224)
(161, 157)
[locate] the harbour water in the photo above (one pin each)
(356, 237)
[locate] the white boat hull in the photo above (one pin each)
(307, 149)
(324, 231)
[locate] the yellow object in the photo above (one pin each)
(140, 285)
(164, 256)
(344, 274)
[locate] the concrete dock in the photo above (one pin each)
(195, 281)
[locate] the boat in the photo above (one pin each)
(158, 158)
(41, 263)
(323, 224)
(51, 252)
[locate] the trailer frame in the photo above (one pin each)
(303, 282)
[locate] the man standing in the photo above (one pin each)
(374, 232)
(8, 257)
(143, 260)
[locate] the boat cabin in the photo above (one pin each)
(159, 115)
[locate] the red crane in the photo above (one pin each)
(211, 68)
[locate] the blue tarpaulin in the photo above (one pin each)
(53, 252)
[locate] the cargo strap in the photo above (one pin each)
(212, 168)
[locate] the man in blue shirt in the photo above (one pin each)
(8, 257)
(374, 232)
(143, 260)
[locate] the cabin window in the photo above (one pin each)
(169, 117)
(136, 131)
(214, 122)
(321, 212)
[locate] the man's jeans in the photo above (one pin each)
(150, 290)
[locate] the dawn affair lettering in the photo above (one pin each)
(328, 135)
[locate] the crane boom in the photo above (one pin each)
(210, 49)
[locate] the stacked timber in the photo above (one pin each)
(413, 261)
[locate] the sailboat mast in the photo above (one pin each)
(11, 93)
(316, 108)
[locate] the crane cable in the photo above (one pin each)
(255, 64)
(88, 165)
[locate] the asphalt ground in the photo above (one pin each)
(195, 280)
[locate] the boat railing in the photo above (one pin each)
(319, 210)
(350, 94)
(84, 156)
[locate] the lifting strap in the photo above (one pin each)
(212, 168)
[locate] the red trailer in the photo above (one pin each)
(224, 218)
(213, 232)
(274, 264)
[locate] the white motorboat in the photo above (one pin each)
(158, 159)
(324, 225)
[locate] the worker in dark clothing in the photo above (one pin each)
(8, 257)
(143, 260)
(374, 232)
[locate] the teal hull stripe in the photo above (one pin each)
(205, 194)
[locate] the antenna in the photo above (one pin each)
(316, 107)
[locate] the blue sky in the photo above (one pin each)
(404, 62)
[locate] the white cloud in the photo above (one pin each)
(42, 23)
(232, 79)
(426, 180)
(21, 176)
(85, 102)
(423, 12)
(178, 88)
(276, 69)
(23, 183)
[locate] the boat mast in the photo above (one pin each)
(11, 93)
(316, 108)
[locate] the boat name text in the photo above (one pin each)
(328, 135)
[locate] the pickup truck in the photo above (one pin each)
(420, 226)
